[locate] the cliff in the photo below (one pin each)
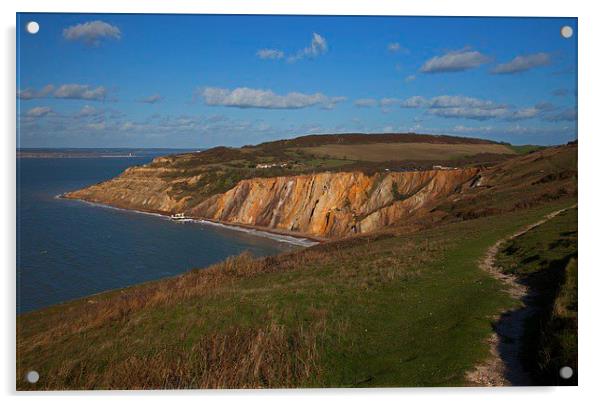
(325, 204)
(139, 188)
(331, 204)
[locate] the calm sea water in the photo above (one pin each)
(69, 249)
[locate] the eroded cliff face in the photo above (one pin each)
(140, 188)
(331, 204)
(326, 204)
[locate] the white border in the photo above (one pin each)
(590, 70)
(552, 8)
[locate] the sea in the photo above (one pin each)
(69, 249)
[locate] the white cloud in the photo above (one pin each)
(39, 112)
(151, 99)
(455, 61)
(65, 91)
(30, 93)
(92, 32)
(214, 125)
(80, 92)
(270, 54)
(394, 47)
(164, 128)
(410, 78)
(88, 110)
(451, 101)
(318, 47)
(514, 130)
(454, 106)
(244, 97)
(128, 126)
(331, 102)
(414, 102)
(448, 101)
(388, 102)
(564, 115)
(365, 102)
(476, 113)
(524, 113)
(471, 129)
(522, 63)
(96, 126)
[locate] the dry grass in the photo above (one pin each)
(238, 358)
(116, 307)
(264, 354)
(268, 355)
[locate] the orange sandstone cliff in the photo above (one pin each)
(325, 204)
(331, 204)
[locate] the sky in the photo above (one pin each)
(195, 81)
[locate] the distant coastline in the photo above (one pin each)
(71, 155)
(54, 153)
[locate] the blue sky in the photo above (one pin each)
(117, 80)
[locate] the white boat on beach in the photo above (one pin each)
(179, 217)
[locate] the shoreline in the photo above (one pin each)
(75, 156)
(259, 231)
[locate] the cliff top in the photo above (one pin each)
(367, 138)
(353, 151)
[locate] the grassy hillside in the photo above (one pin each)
(528, 180)
(363, 138)
(405, 151)
(545, 259)
(321, 152)
(526, 149)
(407, 306)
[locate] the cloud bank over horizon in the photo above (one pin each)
(66, 91)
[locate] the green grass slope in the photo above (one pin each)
(545, 259)
(383, 152)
